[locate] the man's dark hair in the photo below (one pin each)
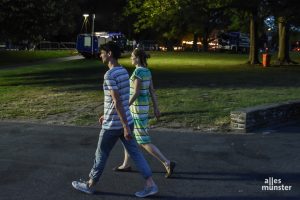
(113, 47)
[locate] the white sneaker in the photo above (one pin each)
(82, 186)
(147, 191)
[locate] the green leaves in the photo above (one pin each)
(175, 18)
(156, 14)
(31, 20)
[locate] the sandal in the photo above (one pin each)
(126, 169)
(170, 169)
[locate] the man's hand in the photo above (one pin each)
(121, 113)
(127, 133)
(101, 120)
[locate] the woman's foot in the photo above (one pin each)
(122, 169)
(170, 169)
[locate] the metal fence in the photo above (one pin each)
(47, 45)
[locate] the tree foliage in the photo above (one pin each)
(174, 18)
(252, 13)
(30, 20)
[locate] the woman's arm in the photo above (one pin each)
(154, 100)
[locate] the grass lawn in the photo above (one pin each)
(195, 90)
(16, 57)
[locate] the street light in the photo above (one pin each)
(93, 34)
(94, 16)
(85, 21)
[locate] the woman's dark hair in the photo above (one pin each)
(113, 47)
(141, 54)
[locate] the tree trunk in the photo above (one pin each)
(284, 41)
(253, 52)
(205, 42)
(281, 38)
(170, 45)
(195, 40)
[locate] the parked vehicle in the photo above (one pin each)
(2, 46)
(88, 45)
(234, 41)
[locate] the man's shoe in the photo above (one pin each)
(82, 186)
(148, 191)
(170, 169)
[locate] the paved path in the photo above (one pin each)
(38, 162)
(52, 60)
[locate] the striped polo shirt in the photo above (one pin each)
(116, 78)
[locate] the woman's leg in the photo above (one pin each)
(126, 163)
(150, 148)
(154, 151)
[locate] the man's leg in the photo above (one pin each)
(105, 143)
(107, 140)
(142, 165)
(136, 155)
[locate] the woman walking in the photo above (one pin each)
(141, 87)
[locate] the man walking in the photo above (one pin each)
(117, 123)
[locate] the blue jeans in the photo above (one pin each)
(107, 140)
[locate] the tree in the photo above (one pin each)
(162, 16)
(202, 17)
(286, 13)
(252, 10)
(30, 21)
(174, 18)
(253, 52)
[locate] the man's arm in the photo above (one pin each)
(120, 110)
(137, 86)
